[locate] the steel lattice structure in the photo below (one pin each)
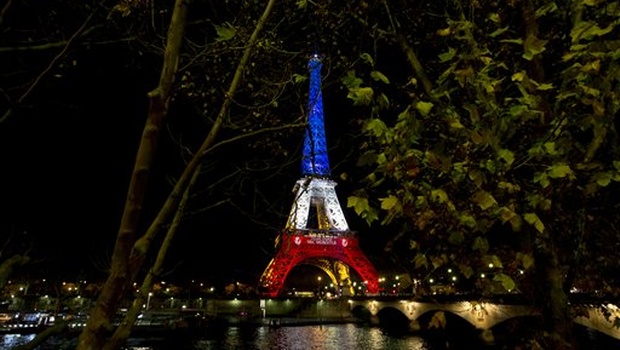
(317, 232)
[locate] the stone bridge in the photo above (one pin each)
(604, 318)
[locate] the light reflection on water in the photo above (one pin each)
(322, 337)
(316, 337)
(326, 337)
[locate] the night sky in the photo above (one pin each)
(67, 157)
(66, 163)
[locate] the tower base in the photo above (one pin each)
(305, 247)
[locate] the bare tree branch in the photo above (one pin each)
(49, 67)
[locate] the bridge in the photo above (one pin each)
(483, 315)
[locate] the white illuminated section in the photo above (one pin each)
(316, 194)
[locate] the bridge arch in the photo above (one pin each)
(481, 315)
(393, 320)
(487, 315)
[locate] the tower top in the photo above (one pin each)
(315, 161)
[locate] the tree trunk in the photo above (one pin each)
(128, 257)
(555, 306)
(119, 281)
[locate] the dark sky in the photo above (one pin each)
(66, 161)
(66, 158)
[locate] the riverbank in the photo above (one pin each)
(164, 321)
(283, 321)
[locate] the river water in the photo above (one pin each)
(314, 337)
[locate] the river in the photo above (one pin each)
(314, 337)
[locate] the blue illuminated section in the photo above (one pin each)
(314, 160)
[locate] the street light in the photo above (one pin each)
(148, 300)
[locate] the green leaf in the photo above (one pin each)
(389, 202)
(527, 261)
(376, 127)
(370, 215)
(467, 220)
(543, 87)
(361, 96)
(497, 263)
(505, 214)
(498, 32)
(481, 245)
(506, 281)
(550, 149)
(484, 200)
(298, 78)
(404, 115)
(439, 196)
(494, 17)
(225, 31)
(588, 30)
(602, 179)
(518, 76)
(548, 8)
(516, 223)
(420, 260)
(424, 107)
(476, 177)
(439, 261)
(490, 165)
(359, 204)
(542, 178)
(383, 101)
(447, 56)
(378, 76)
(533, 46)
(367, 58)
(466, 270)
(454, 122)
(560, 170)
(351, 81)
(507, 156)
(534, 220)
(512, 41)
(509, 187)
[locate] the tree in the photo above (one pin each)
(500, 144)
(129, 253)
(132, 247)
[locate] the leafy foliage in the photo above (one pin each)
(512, 155)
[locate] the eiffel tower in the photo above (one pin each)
(316, 232)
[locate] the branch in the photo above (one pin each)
(250, 134)
(411, 55)
(172, 200)
(49, 67)
(5, 9)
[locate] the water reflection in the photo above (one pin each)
(326, 337)
(317, 337)
(10, 341)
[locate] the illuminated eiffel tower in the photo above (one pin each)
(316, 231)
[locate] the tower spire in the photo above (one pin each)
(315, 161)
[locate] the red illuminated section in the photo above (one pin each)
(294, 249)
